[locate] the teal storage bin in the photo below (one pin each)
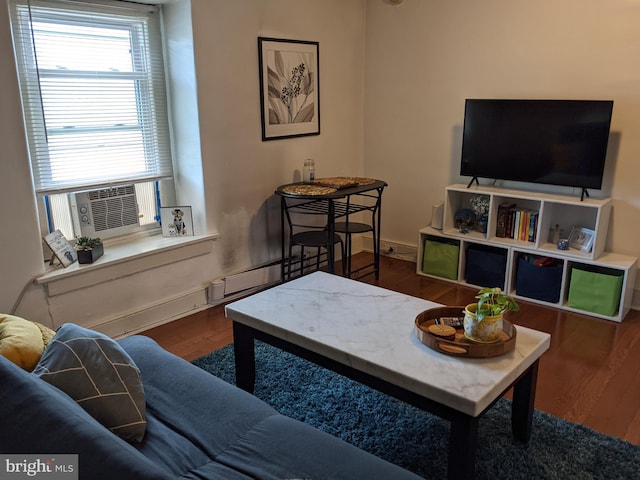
(594, 291)
(441, 258)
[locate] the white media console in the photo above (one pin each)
(606, 274)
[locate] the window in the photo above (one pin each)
(94, 101)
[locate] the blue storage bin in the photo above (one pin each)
(539, 282)
(486, 266)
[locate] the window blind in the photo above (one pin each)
(93, 93)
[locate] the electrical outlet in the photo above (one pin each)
(386, 248)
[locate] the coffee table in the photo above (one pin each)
(366, 333)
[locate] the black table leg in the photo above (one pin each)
(331, 230)
(524, 394)
(245, 357)
(462, 447)
(283, 206)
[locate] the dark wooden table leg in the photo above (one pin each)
(524, 395)
(245, 357)
(462, 447)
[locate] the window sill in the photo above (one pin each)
(124, 259)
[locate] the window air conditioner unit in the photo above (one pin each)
(107, 212)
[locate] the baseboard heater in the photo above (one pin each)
(253, 278)
(244, 281)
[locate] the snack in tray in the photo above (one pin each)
(442, 331)
(343, 182)
(308, 189)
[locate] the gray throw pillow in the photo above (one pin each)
(99, 375)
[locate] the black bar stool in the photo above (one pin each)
(367, 202)
(308, 229)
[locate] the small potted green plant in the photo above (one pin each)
(89, 249)
(483, 319)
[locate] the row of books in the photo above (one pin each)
(517, 223)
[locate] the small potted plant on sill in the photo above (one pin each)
(89, 249)
(483, 319)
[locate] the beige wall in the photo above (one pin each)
(235, 179)
(422, 59)
(393, 83)
(240, 171)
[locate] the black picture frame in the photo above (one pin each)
(289, 88)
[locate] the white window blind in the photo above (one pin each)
(93, 92)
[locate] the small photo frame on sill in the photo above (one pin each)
(176, 221)
(289, 88)
(581, 239)
(61, 248)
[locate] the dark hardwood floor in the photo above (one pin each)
(590, 374)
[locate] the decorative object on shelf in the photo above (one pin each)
(563, 244)
(483, 222)
(483, 320)
(89, 249)
(581, 238)
(555, 234)
(465, 219)
(480, 206)
(176, 221)
(61, 249)
(289, 88)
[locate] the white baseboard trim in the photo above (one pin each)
(389, 248)
(154, 315)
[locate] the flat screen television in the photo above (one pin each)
(555, 142)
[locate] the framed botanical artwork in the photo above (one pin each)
(581, 239)
(176, 221)
(289, 88)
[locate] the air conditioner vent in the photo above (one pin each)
(107, 212)
(114, 212)
(111, 192)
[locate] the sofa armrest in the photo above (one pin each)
(38, 418)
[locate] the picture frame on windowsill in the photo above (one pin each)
(177, 221)
(61, 248)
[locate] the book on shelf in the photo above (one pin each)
(533, 227)
(511, 215)
(503, 219)
(517, 223)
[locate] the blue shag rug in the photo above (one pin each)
(418, 441)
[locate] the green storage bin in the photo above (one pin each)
(595, 292)
(441, 258)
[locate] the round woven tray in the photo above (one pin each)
(308, 189)
(344, 182)
(460, 346)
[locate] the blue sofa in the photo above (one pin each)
(197, 427)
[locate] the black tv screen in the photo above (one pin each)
(556, 142)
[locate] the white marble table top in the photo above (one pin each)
(371, 329)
